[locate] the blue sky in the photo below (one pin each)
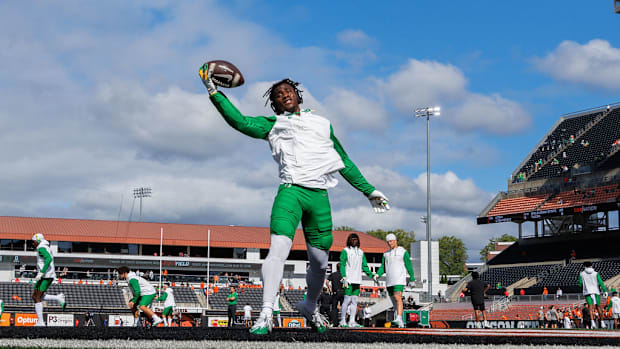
(101, 97)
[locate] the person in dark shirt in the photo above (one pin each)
(477, 289)
(334, 284)
(587, 317)
(325, 302)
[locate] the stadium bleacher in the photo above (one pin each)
(567, 277)
(557, 139)
(516, 205)
(509, 275)
(80, 296)
(252, 296)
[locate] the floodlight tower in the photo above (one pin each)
(617, 6)
(428, 112)
(142, 192)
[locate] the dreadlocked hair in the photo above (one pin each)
(350, 240)
(270, 97)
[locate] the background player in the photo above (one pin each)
(334, 284)
(477, 289)
(396, 264)
(169, 304)
(309, 155)
(247, 315)
(143, 295)
(352, 263)
(45, 276)
(590, 280)
(614, 305)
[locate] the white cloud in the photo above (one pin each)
(422, 83)
(595, 63)
(354, 38)
(493, 113)
(429, 83)
(354, 111)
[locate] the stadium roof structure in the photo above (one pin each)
(573, 171)
(147, 233)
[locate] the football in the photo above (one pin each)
(225, 74)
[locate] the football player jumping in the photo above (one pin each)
(309, 155)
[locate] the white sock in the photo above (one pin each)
(353, 309)
(136, 321)
(315, 276)
(155, 318)
(165, 321)
(38, 308)
(50, 297)
(344, 307)
(279, 321)
(273, 269)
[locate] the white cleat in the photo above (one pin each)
(157, 322)
(398, 321)
(354, 324)
(263, 325)
(62, 301)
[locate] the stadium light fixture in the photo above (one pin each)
(617, 6)
(427, 112)
(142, 192)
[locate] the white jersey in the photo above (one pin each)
(589, 279)
(169, 301)
(395, 270)
(247, 311)
(567, 321)
(615, 305)
(145, 287)
(50, 273)
(353, 266)
(301, 144)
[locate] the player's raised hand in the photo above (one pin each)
(205, 75)
(379, 201)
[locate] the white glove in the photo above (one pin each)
(205, 75)
(375, 278)
(345, 282)
(412, 283)
(378, 201)
(38, 277)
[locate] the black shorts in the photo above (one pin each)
(479, 306)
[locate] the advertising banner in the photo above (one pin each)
(115, 320)
(60, 320)
(218, 321)
(28, 320)
(5, 320)
(293, 322)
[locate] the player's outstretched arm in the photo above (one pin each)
(256, 127)
(352, 174)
